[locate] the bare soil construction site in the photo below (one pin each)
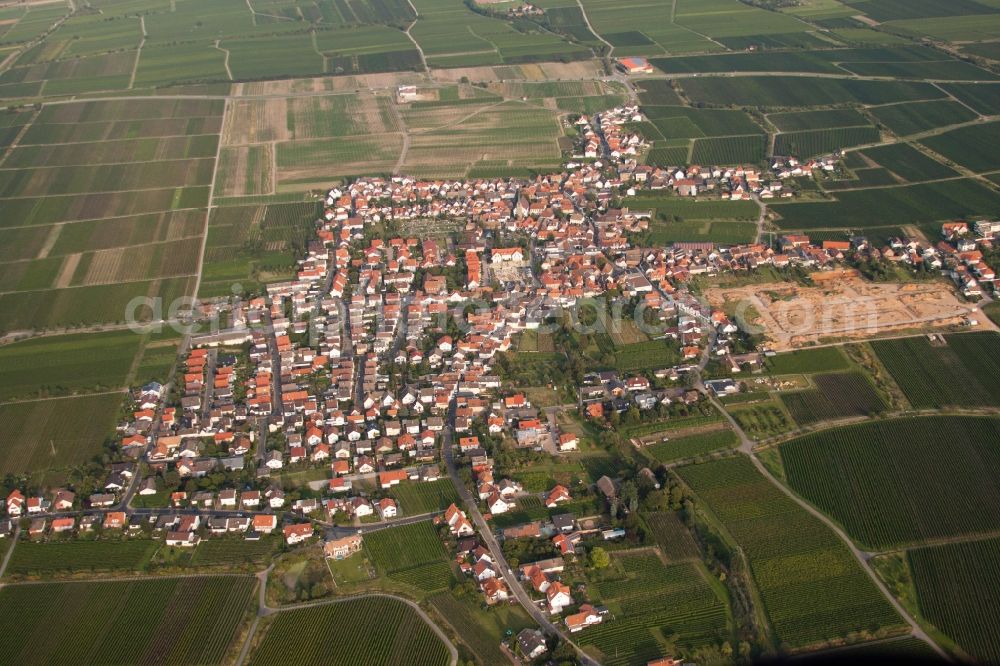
(843, 306)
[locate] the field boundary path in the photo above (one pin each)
(263, 610)
(586, 21)
(420, 50)
(10, 552)
(138, 52)
(747, 447)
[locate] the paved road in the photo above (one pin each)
(486, 534)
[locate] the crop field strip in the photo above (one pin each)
(812, 589)
(835, 396)
(461, 616)
(75, 557)
(956, 591)
(671, 536)
(914, 203)
(675, 598)
(254, 244)
(891, 483)
(962, 372)
(425, 497)
(411, 554)
(163, 621)
(693, 445)
(116, 168)
(393, 635)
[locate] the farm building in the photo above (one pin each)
(635, 65)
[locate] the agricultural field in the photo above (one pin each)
(425, 497)
(730, 150)
(723, 233)
(233, 552)
(968, 146)
(801, 121)
(114, 194)
(411, 554)
(58, 432)
(916, 117)
(658, 34)
(762, 420)
(693, 445)
(909, 163)
(962, 372)
(646, 596)
(821, 359)
(165, 620)
(799, 92)
(481, 631)
(956, 593)
(813, 591)
(452, 35)
(891, 483)
(254, 244)
(681, 122)
(644, 355)
(669, 207)
(47, 560)
(65, 364)
(835, 396)
(909, 204)
(671, 535)
(816, 143)
(394, 634)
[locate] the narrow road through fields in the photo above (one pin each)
(138, 51)
(10, 551)
(586, 20)
(420, 50)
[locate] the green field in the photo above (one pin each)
(815, 143)
(799, 121)
(798, 92)
(968, 146)
(672, 537)
(66, 364)
(411, 554)
(835, 396)
(822, 359)
(905, 119)
(646, 595)
(812, 588)
(962, 372)
(925, 202)
(56, 433)
(693, 445)
(891, 483)
(393, 634)
(166, 620)
(251, 245)
(233, 552)
(957, 593)
(906, 161)
(425, 497)
(482, 632)
(69, 557)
